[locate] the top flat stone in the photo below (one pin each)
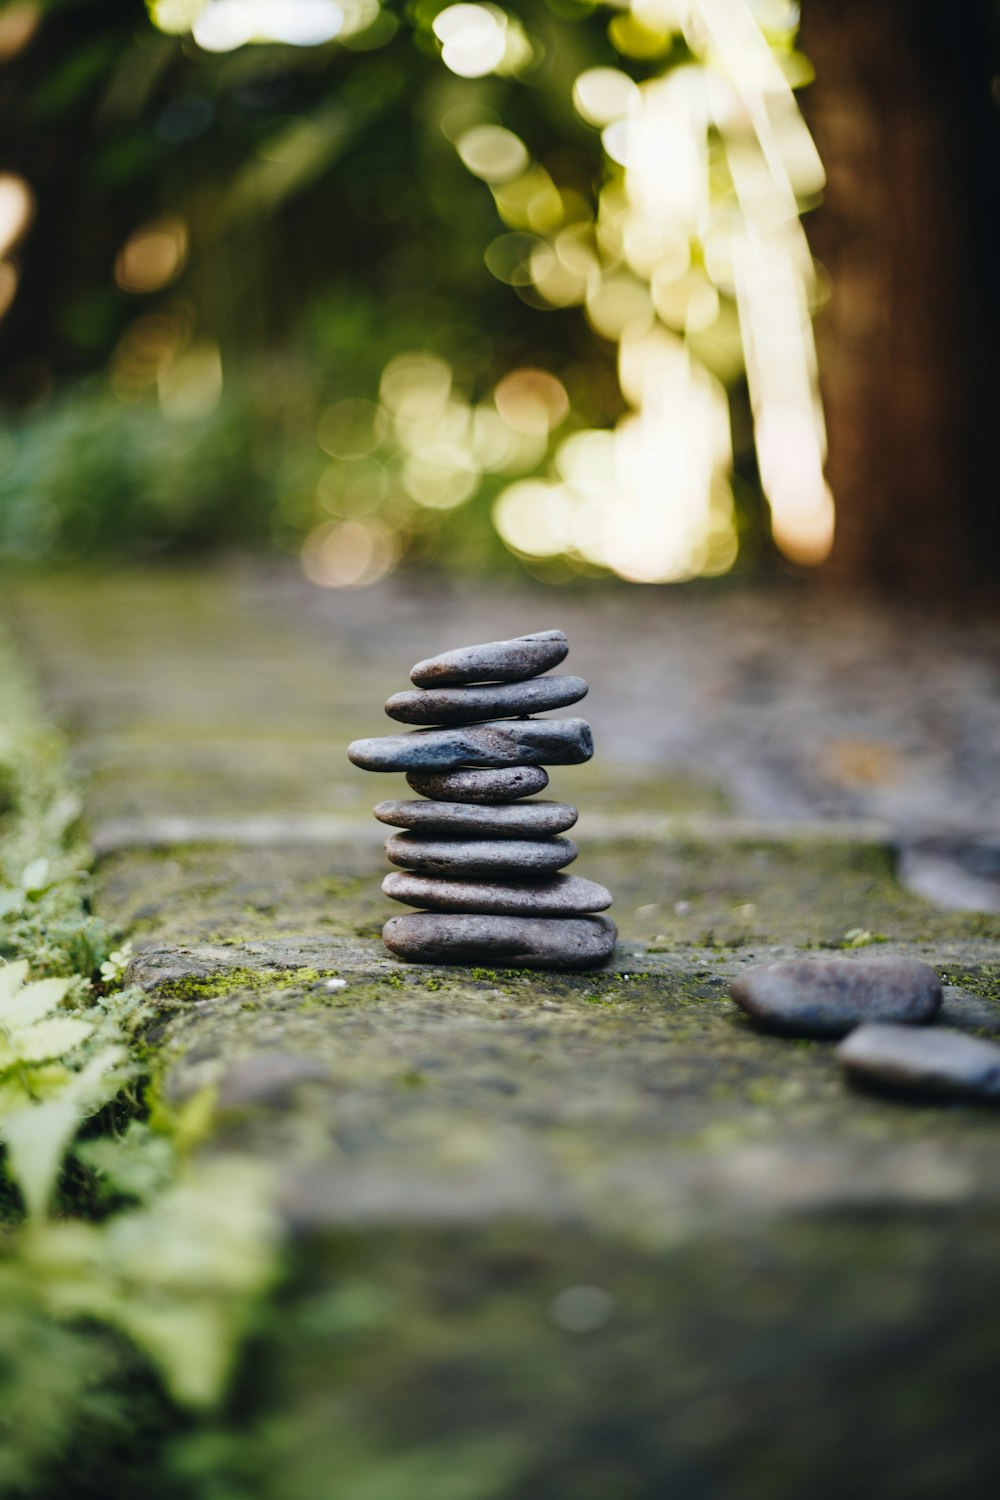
(494, 700)
(493, 661)
(829, 997)
(502, 742)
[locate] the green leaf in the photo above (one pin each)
(12, 976)
(37, 1138)
(180, 1277)
(139, 1163)
(30, 1004)
(51, 1039)
(36, 875)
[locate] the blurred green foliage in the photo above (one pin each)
(329, 226)
(313, 221)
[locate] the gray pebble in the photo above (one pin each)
(510, 942)
(560, 895)
(828, 997)
(526, 820)
(440, 856)
(505, 742)
(933, 1062)
(494, 661)
(498, 700)
(505, 785)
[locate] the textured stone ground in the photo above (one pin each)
(799, 1281)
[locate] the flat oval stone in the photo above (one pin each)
(496, 700)
(931, 1062)
(494, 661)
(503, 742)
(830, 996)
(560, 895)
(439, 856)
(527, 820)
(503, 785)
(511, 942)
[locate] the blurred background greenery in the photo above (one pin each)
(476, 286)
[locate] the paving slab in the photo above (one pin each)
(580, 1235)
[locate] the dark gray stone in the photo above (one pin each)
(478, 856)
(830, 996)
(511, 942)
(507, 784)
(506, 742)
(930, 1062)
(499, 700)
(560, 895)
(528, 820)
(494, 661)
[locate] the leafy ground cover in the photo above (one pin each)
(128, 1273)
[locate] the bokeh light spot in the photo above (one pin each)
(349, 554)
(152, 256)
(601, 95)
(493, 153)
(17, 207)
(473, 39)
(532, 401)
(18, 24)
(352, 428)
(415, 386)
(190, 386)
(440, 476)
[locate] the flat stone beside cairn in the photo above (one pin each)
(830, 996)
(930, 1063)
(481, 863)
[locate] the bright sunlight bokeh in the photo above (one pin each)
(688, 257)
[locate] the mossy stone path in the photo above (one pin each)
(797, 1283)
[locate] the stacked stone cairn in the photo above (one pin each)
(482, 864)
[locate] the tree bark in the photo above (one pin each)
(902, 117)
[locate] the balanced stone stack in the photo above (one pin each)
(480, 862)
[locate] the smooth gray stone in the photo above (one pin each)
(511, 942)
(526, 820)
(560, 895)
(504, 742)
(830, 996)
(931, 1062)
(507, 784)
(439, 856)
(496, 700)
(494, 661)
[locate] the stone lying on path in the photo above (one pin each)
(828, 997)
(931, 1062)
(560, 895)
(505, 742)
(512, 942)
(442, 856)
(499, 700)
(519, 820)
(506, 784)
(493, 661)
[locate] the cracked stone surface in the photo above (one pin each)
(802, 1280)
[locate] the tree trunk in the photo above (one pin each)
(900, 117)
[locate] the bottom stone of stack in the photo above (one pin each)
(518, 942)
